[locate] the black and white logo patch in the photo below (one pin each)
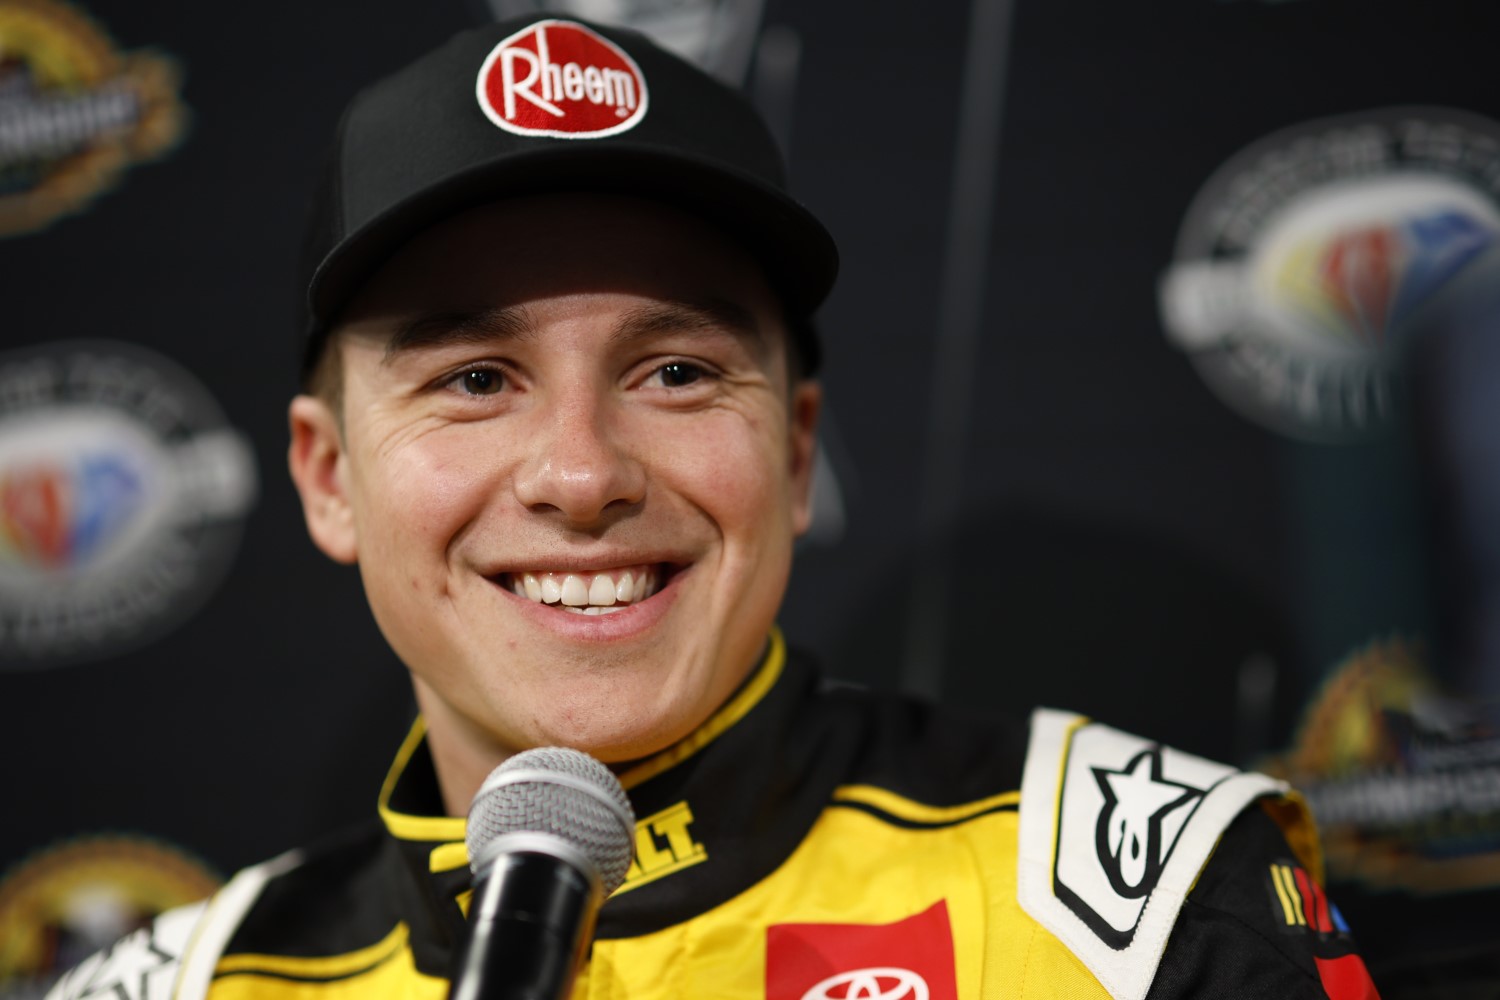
(1125, 803)
(1114, 831)
(142, 966)
(1131, 837)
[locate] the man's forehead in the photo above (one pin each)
(504, 254)
(522, 324)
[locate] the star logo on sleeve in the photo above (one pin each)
(1134, 835)
(1114, 832)
(136, 967)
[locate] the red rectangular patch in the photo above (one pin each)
(1346, 978)
(911, 959)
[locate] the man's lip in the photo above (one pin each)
(574, 563)
(663, 569)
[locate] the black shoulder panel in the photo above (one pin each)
(1256, 927)
(937, 755)
(337, 901)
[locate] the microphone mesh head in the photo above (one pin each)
(561, 792)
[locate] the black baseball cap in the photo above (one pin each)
(541, 105)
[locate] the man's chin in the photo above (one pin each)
(620, 742)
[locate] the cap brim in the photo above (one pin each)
(798, 254)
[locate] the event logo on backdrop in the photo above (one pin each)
(66, 902)
(75, 111)
(1307, 263)
(122, 492)
(1403, 780)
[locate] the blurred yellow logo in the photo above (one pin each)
(1403, 780)
(75, 111)
(70, 900)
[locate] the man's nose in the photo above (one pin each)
(580, 466)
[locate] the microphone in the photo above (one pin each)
(550, 835)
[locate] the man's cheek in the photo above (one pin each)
(427, 493)
(720, 456)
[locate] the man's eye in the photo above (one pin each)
(481, 381)
(679, 373)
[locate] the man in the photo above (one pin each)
(560, 414)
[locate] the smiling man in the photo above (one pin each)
(571, 492)
(560, 412)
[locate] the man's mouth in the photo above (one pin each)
(598, 592)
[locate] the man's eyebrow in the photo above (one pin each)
(509, 323)
(708, 316)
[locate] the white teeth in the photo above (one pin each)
(602, 591)
(590, 593)
(574, 593)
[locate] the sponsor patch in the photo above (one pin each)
(1114, 831)
(911, 959)
(122, 490)
(65, 903)
(664, 845)
(562, 80)
(1301, 907)
(75, 111)
(1302, 904)
(1311, 260)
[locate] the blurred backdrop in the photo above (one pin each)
(1163, 379)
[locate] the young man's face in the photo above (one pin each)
(542, 398)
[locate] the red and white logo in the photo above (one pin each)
(559, 79)
(889, 983)
(911, 959)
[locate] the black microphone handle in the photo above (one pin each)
(529, 921)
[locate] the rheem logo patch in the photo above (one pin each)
(559, 79)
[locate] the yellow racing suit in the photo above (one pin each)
(819, 842)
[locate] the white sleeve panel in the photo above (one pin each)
(174, 958)
(1114, 831)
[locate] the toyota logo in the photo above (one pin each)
(870, 984)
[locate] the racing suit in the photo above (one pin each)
(812, 841)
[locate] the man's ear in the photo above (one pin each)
(807, 403)
(316, 458)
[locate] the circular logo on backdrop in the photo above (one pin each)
(1308, 262)
(68, 901)
(560, 79)
(122, 491)
(74, 111)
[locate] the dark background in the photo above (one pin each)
(1109, 536)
